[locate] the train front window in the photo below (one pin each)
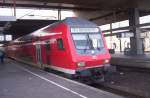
(96, 41)
(88, 43)
(81, 41)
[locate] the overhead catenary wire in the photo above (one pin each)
(26, 14)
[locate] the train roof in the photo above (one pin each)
(77, 22)
(70, 21)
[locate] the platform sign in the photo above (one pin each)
(7, 18)
(2, 38)
(5, 38)
(8, 37)
(125, 35)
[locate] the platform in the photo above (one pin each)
(19, 80)
(140, 61)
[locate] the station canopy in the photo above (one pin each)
(102, 8)
(99, 11)
(81, 4)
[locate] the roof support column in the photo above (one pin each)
(59, 14)
(136, 41)
(14, 5)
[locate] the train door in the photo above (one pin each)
(47, 49)
(38, 55)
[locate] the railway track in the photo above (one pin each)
(116, 91)
(137, 69)
(104, 87)
(124, 92)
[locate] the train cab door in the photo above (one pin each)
(38, 55)
(47, 49)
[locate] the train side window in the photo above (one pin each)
(60, 44)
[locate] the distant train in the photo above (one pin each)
(73, 46)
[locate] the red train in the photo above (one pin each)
(73, 46)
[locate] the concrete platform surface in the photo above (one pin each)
(140, 61)
(18, 80)
(146, 56)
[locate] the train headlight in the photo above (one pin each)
(81, 64)
(106, 61)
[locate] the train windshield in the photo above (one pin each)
(88, 43)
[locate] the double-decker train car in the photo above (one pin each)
(73, 46)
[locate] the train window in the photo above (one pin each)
(81, 41)
(60, 44)
(88, 41)
(97, 41)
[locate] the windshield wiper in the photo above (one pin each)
(100, 48)
(87, 42)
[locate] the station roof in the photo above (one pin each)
(81, 4)
(103, 7)
(23, 27)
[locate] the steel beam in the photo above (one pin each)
(114, 34)
(106, 15)
(116, 29)
(127, 28)
(7, 18)
(51, 6)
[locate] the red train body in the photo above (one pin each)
(73, 46)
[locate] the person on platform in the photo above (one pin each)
(2, 55)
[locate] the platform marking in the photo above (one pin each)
(43, 78)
